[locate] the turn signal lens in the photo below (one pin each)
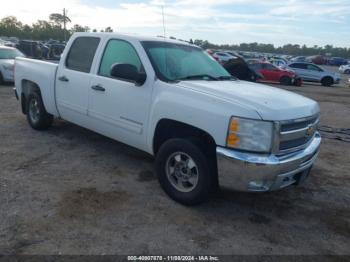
(234, 125)
(250, 134)
(232, 140)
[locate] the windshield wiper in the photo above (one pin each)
(193, 77)
(223, 78)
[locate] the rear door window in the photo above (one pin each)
(298, 65)
(313, 68)
(81, 54)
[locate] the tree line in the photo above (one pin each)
(288, 49)
(53, 29)
(42, 29)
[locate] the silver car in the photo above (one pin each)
(7, 61)
(312, 73)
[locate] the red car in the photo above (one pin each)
(272, 73)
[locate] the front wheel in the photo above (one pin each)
(183, 171)
(327, 81)
(285, 80)
(37, 116)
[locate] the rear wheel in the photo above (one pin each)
(347, 71)
(327, 81)
(184, 171)
(37, 116)
(286, 80)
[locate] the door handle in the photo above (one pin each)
(98, 88)
(63, 79)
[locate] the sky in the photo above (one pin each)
(310, 22)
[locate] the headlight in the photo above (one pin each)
(250, 135)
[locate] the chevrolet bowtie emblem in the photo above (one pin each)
(310, 131)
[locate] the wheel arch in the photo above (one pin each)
(328, 77)
(27, 87)
(168, 128)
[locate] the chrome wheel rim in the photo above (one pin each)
(34, 110)
(182, 172)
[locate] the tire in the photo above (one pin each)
(327, 81)
(347, 72)
(285, 80)
(298, 82)
(37, 116)
(170, 161)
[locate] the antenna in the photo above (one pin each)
(163, 21)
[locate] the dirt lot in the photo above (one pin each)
(71, 191)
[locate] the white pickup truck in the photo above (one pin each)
(170, 99)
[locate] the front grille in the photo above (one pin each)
(296, 134)
(297, 125)
(285, 145)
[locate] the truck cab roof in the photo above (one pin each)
(132, 37)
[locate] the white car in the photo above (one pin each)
(279, 63)
(203, 126)
(7, 60)
(345, 69)
(223, 57)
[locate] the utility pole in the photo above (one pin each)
(64, 23)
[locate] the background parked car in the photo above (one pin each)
(223, 57)
(7, 62)
(279, 62)
(298, 59)
(30, 48)
(345, 69)
(317, 59)
(240, 69)
(337, 61)
(272, 73)
(313, 73)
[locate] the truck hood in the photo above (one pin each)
(269, 102)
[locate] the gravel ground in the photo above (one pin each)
(71, 191)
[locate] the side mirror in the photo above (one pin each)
(129, 73)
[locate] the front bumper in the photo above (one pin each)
(260, 173)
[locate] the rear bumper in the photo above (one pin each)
(260, 173)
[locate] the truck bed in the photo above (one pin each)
(43, 74)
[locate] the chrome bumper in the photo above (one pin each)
(260, 173)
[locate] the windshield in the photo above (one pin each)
(10, 53)
(176, 62)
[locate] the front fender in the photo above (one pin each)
(194, 108)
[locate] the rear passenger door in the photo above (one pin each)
(73, 80)
(314, 72)
(271, 72)
(300, 70)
